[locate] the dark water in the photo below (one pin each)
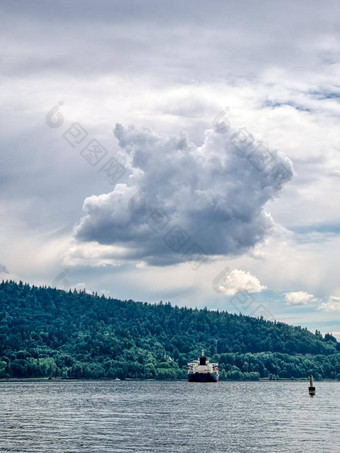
(165, 417)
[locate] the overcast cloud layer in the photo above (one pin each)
(192, 202)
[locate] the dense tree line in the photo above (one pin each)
(45, 332)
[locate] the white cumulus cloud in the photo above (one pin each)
(333, 304)
(183, 202)
(299, 298)
(238, 281)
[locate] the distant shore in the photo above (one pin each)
(59, 379)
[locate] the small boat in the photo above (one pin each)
(202, 370)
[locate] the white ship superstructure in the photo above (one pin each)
(202, 370)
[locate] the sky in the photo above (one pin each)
(178, 151)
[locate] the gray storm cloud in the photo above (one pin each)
(182, 201)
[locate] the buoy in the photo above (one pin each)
(311, 388)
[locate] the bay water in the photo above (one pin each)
(156, 416)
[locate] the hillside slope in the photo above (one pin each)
(49, 332)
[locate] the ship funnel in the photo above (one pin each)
(203, 360)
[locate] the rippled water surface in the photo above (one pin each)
(151, 416)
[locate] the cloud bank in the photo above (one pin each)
(183, 202)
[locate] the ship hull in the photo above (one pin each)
(202, 377)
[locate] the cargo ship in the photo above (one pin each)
(202, 370)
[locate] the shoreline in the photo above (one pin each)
(59, 379)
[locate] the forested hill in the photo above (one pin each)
(45, 332)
